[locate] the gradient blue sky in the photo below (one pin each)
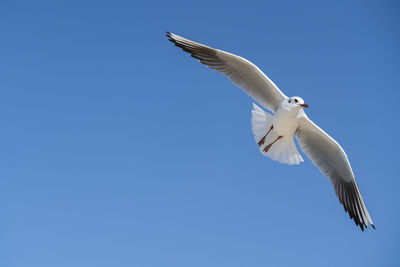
(118, 149)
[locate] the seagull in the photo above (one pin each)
(274, 132)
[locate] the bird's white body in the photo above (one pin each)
(282, 126)
(286, 121)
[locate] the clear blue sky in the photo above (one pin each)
(118, 149)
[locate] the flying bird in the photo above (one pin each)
(274, 134)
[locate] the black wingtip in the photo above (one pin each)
(373, 226)
(168, 34)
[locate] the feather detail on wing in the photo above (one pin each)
(240, 71)
(330, 158)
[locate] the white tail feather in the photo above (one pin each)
(260, 121)
(284, 150)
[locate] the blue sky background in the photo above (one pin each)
(118, 149)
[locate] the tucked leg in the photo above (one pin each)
(261, 142)
(270, 145)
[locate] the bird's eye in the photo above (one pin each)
(289, 100)
(295, 100)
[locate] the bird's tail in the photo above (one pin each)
(261, 121)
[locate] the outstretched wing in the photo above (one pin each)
(242, 72)
(330, 158)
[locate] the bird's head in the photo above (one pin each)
(294, 103)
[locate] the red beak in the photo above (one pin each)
(304, 105)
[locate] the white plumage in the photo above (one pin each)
(285, 150)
